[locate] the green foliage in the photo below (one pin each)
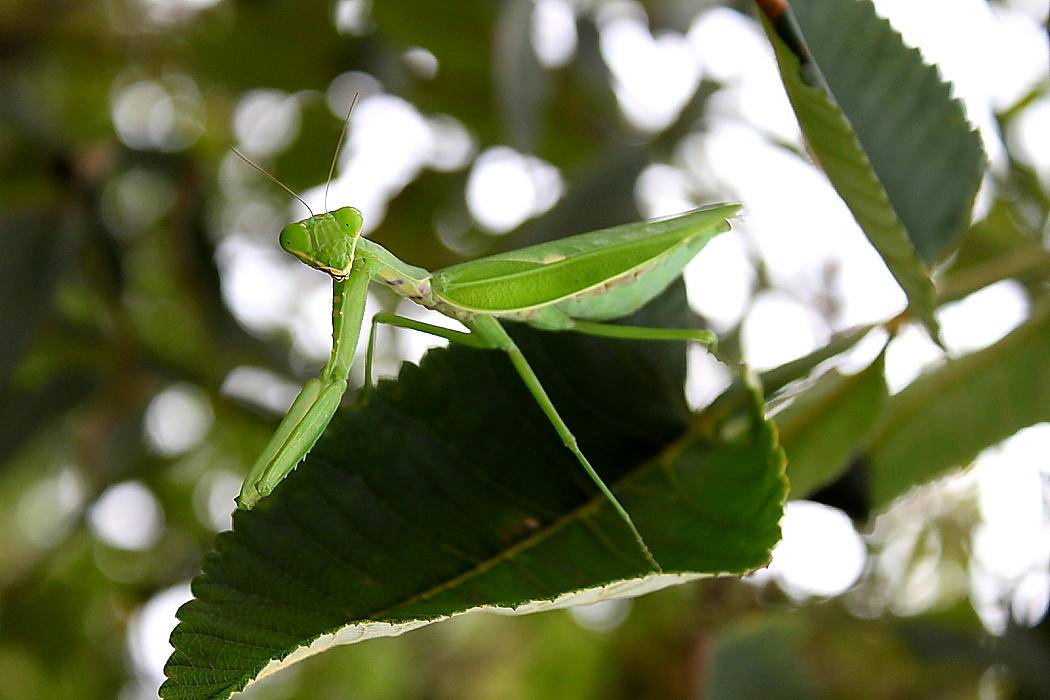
(924, 153)
(945, 418)
(447, 491)
(115, 286)
(822, 429)
(883, 126)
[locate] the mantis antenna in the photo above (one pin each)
(338, 145)
(286, 188)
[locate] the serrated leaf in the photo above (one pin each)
(943, 419)
(448, 491)
(885, 129)
(825, 426)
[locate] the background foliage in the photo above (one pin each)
(143, 360)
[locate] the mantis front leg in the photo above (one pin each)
(319, 398)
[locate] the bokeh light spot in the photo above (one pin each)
(653, 77)
(157, 115)
(177, 419)
(266, 121)
(127, 516)
(421, 62)
(506, 187)
(603, 616)
(820, 554)
(149, 628)
(984, 317)
(553, 32)
(213, 498)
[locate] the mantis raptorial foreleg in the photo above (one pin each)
(319, 398)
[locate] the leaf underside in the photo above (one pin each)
(945, 418)
(884, 127)
(822, 429)
(448, 491)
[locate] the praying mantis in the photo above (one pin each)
(576, 284)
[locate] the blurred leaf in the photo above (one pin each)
(776, 379)
(997, 247)
(946, 417)
(448, 491)
(780, 382)
(460, 35)
(520, 78)
(247, 45)
(821, 430)
(30, 265)
(756, 657)
(884, 127)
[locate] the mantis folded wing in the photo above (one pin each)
(576, 283)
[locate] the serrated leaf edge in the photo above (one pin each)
(900, 254)
(359, 632)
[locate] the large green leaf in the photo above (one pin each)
(945, 418)
(822, 429)
(885, 129)
(447, 491)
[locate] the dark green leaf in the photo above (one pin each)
(30, 264)
(884, 127)
(448, 491)
(755, 657)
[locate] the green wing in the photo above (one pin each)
(548, 273)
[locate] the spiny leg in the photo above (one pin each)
(319, 398)
(295, 437)
(303, 403)
(615, 330)
(489, 328)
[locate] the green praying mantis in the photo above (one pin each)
(573, 284)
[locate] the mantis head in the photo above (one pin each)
(325, 242)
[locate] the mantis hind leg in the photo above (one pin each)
(489, 328)
(615, 330)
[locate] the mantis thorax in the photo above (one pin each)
(325, 241)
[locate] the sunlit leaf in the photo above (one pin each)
(822, 429)
(945, 418)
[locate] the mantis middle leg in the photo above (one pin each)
(392, 319)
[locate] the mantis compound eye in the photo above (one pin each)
(295, 239)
